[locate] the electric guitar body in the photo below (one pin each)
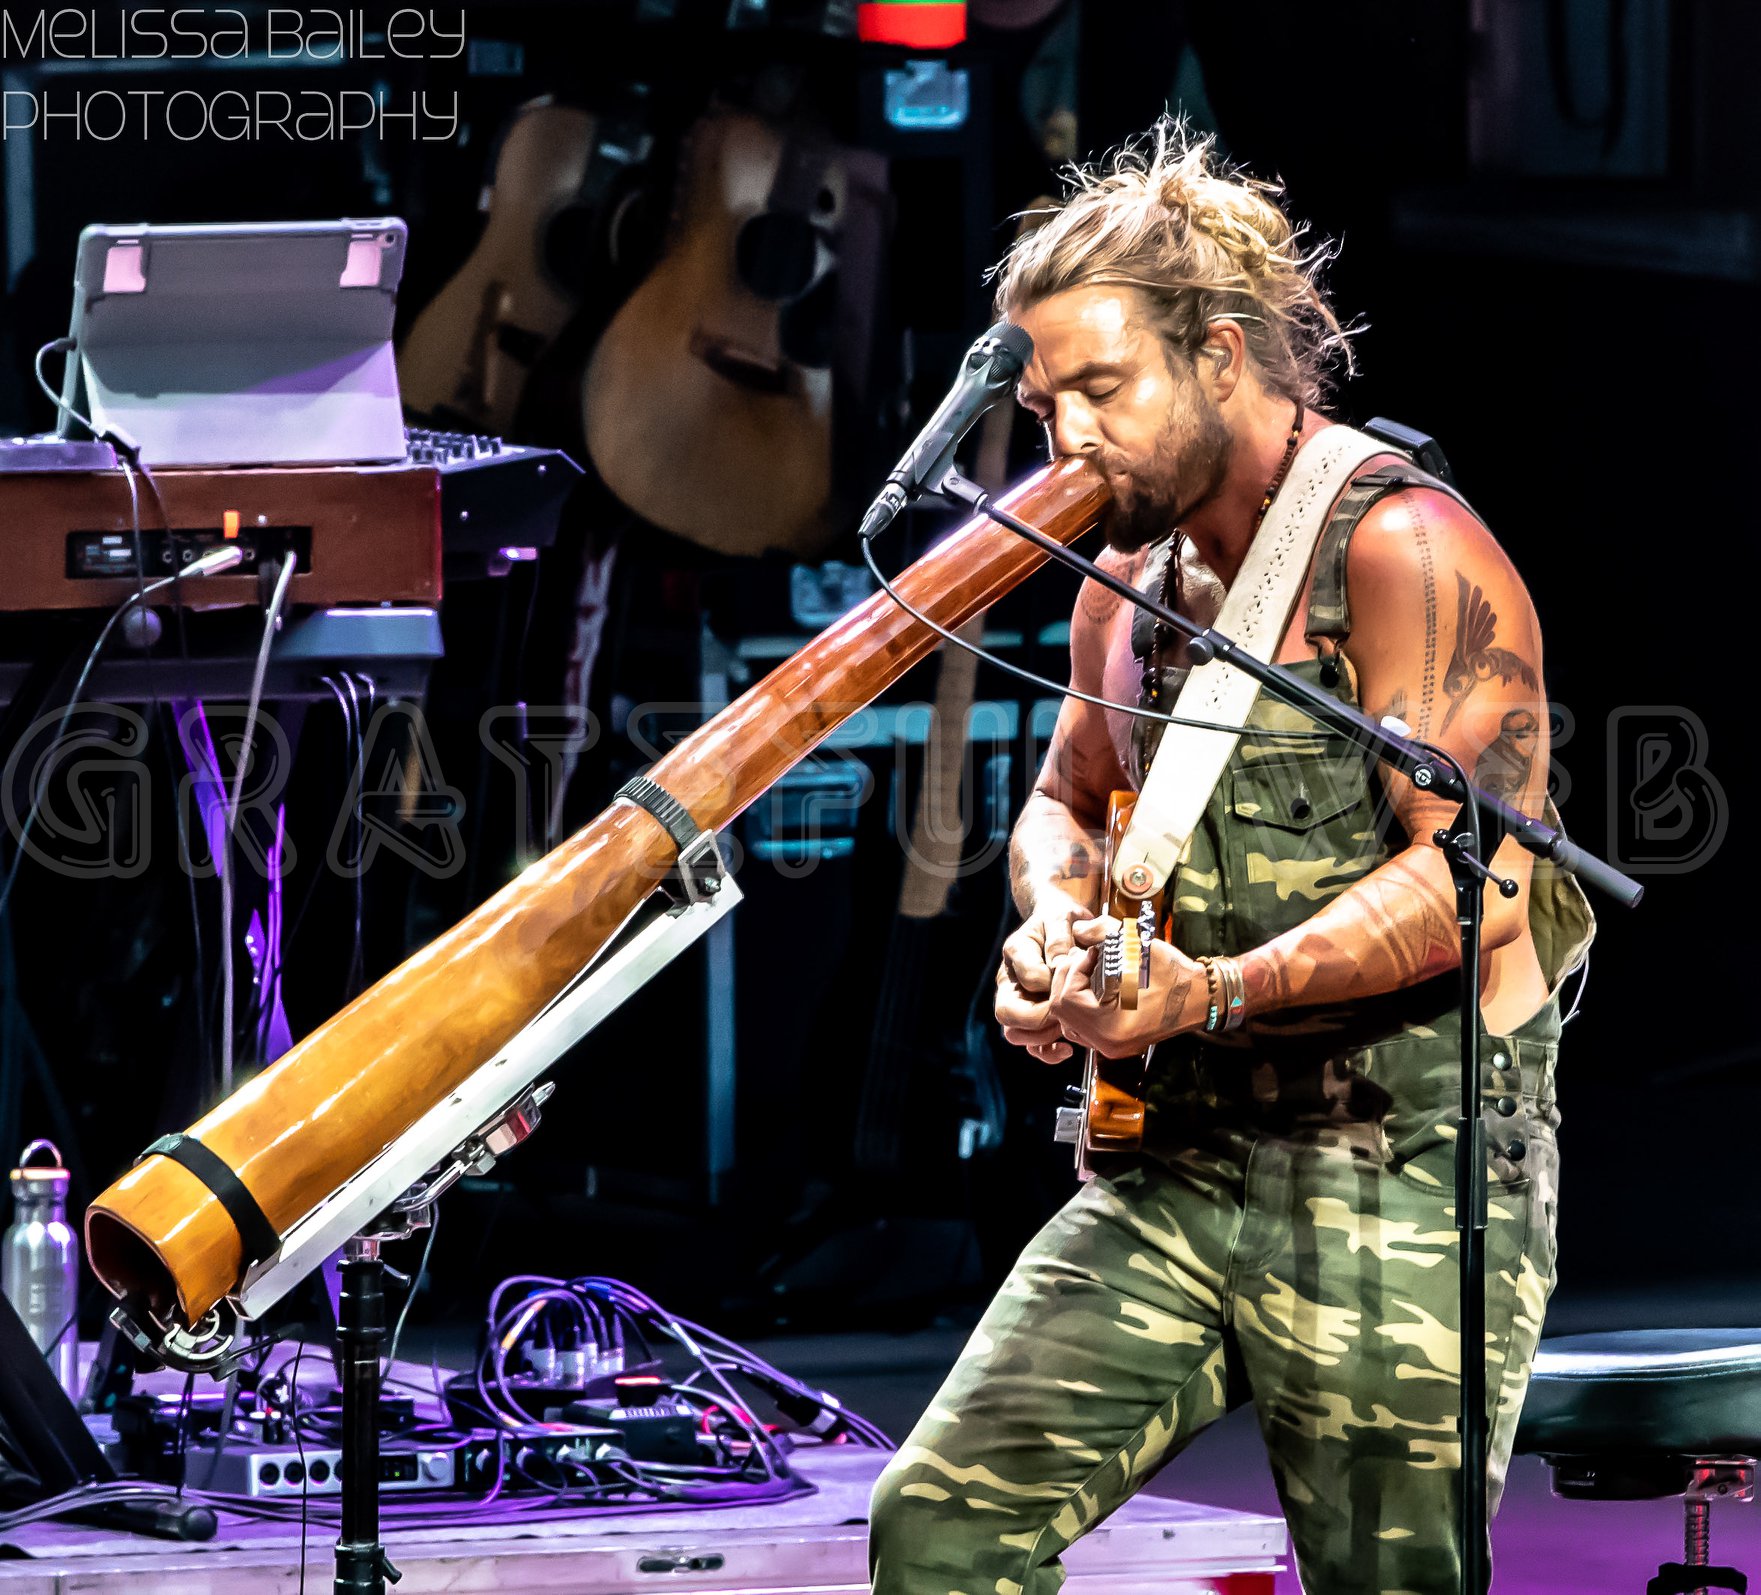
(1112, 1106)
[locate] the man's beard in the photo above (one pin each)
(1188, 466)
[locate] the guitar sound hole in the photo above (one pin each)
(777, 256)
(569, 247)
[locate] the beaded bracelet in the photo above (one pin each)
(1213, 1013)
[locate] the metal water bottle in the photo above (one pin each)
(39, 1269)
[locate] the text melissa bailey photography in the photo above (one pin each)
(33, 104)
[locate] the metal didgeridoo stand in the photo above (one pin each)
(1468, 842)
(489, 1114)
(362, 1567)
(699, 892)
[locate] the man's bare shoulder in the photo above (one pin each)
(1095, 604)
(1436, 607)
(1420, 539)
(1092, 628)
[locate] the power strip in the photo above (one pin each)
(250, 1468)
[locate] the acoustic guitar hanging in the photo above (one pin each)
(563, 187)
(1109, 1116)
(708, 401)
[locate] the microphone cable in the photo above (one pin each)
(128, 456)
(229, 817)
(1046, 684)
(196, 568)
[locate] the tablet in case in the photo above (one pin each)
(258, 344)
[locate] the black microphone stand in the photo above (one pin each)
(1468, 842)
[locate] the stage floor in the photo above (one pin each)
(1542, 1546)
(815, 1543)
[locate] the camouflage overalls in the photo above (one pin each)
(1289, 1238)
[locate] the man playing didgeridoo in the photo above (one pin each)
(1287, 1236)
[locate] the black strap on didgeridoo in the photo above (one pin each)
(257, 1235)
(666, 808)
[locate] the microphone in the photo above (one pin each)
(987, 373)
(817, 1411)
(165, 1519)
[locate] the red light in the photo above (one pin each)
(916, 24)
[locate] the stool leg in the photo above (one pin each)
(1697, 1538)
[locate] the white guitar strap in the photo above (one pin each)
(1190, 762)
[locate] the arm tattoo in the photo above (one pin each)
(1050, 850)
(1098, 603)
(1278, 989)
(1073, 769)
(1428, 688)
(1078, 864)
(1504, 768)
(1476, 657)
(1381, 935)
(1408, 924)
(1174, 998)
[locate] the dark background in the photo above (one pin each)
(1547, 219)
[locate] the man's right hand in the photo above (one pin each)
(1024, 978)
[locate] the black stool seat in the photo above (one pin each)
(1652, 1412)
(1676, 1392)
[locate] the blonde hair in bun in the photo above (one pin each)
(1202, 240)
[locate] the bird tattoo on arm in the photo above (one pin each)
(1475, 657)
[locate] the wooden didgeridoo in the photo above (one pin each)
(323, 1111)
